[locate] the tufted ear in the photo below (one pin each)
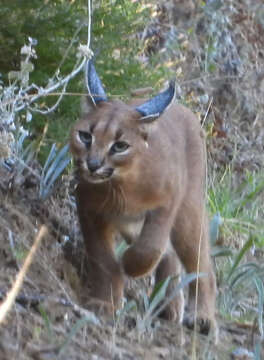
(154, 107)
(94, 85)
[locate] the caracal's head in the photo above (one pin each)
(111, 137)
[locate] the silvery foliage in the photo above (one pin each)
(21, 95)
(12, 134)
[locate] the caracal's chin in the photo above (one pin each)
(96, 179)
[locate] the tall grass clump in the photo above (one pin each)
(240, 271)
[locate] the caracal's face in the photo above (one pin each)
(106, 143)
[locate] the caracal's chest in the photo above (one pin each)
(130, 227)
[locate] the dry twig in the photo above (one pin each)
(11, 296)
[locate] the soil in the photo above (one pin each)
(47, 320)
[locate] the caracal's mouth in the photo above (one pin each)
(99, 176)
(96, 179)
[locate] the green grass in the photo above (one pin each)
(239, 206)
(240, 273)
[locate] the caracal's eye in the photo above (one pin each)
(85, 137)
(119, 147)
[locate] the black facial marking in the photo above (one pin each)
(92, 127)
(86, 138)
(108, 172)
(118, 135)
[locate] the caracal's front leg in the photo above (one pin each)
(146, 251)
(105, 275)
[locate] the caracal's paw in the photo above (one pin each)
(175, 310)
(100, 307)
(204, 324)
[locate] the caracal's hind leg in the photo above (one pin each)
(171, 266)
(190, 230)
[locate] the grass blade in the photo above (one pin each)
(51, 156)
(47, 322)
(158, 294)
(187, 279)
(214, 227)
(55, 175)
(55, 163)
(240, 255)
(217, 251)
(74, 330)
(260, 289)
(251, 196)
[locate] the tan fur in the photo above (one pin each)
(155, 199)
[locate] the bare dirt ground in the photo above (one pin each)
(48, 319)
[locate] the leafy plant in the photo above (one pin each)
(53, 167)
(73, 331)
(249, 277)
(47, 323)
(236, 208)
(159, 299)
(241, 280)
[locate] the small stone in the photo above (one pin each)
(242, 354)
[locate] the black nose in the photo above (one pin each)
(94, 164)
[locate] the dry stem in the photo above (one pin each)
(10, 298)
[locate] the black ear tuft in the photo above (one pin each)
(94, 84)
(154, 107)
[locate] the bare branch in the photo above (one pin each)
(44, 92)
